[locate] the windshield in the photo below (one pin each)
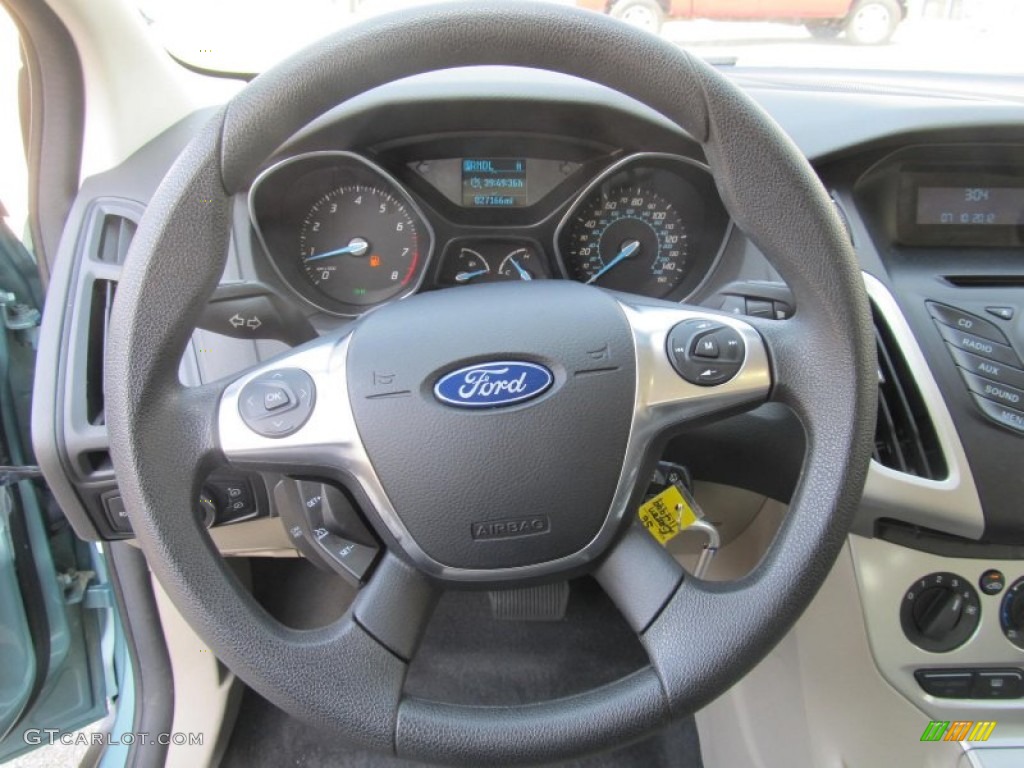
(248, 36)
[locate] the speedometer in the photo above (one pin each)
(630, 239)
(652, 225)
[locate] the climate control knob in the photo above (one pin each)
(1011, 613)
(940, 612)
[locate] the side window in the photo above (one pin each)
(14, 178)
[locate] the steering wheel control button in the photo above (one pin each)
(979, 345)
(992, 582)
(940, 612)
(706, 346)
(957, 318)
(278, 403)
(946, 683)
(1003, 313)
(350, 558)
(325, 528)
(276, 397)
(705, 352)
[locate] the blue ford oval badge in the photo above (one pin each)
(492, 385)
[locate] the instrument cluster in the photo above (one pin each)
(346, 233)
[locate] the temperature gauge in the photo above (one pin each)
(471, 261)
(520, 264)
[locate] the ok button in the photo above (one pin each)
(276, 397)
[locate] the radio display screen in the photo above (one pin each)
(970, 206)
(951, 206)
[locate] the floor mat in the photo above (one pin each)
(456, 663)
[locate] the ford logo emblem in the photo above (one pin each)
(492, 385)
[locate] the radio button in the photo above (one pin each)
(979, 346)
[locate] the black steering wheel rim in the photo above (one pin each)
(164, 437)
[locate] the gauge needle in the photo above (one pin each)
(628, 250)
(465, 277)
(523, 274)
(357, 247)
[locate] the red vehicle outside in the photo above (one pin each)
(865, 22)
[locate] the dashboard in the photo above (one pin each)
(347, 233)
(446, 181)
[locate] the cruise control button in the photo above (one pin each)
(1008, 417)
(989, 369)
(278, 403)
(994, 391)
(979, 346)
(348, 558)
(957, 318)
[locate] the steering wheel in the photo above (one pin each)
(591, 383)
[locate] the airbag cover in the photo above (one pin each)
(496, 417)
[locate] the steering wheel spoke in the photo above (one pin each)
(396, 606)
(640, 577)
(292, 415)
(692, 365)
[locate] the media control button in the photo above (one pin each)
(963, 321)
(979, 346)
(988, 369)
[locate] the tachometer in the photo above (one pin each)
(340, 231)
(359, 245)
(652, 224)
(630, 239)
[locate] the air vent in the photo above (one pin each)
(986, 281)
(115, 235)
(905, 438)
(100, 303)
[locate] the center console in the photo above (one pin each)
(940, 230)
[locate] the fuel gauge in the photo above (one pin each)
(467, 266)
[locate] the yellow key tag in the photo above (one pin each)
(669, 513)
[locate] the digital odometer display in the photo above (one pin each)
(494, 183)
(970, 206)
